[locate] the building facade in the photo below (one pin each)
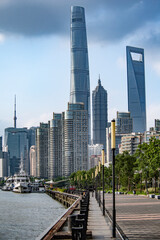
(136, 88)
(99, 115)
(130, 142)
(94, 160)
(80, 82)
(94, 150)
(157, 124)
(33, 161)
(55, 147)
(124, 123)
(42, 150)
(108, 145)
(74, 139)
(16, 143)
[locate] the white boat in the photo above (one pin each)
(21, 181)
(8, 184)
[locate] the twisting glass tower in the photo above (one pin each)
(80, 83)
(136, 88)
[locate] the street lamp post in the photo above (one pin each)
(92, 184)
(86, 182)
(96, 183)
(103, 181)
(82, 182)
(78, 182)
(159, 180)
(99, 176)
(113, 146)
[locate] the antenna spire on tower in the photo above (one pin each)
(15, 118)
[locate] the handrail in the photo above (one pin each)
(44, 234)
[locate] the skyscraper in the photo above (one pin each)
(42, 150)
(136, 88)
(99, 114)
(17, 145)
(124, 123)
(80, 83)
(55, 147)
(33, 162)
(74, 139)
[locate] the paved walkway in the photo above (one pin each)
(138, 216)
(100, 227)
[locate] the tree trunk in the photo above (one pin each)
(155, 184)
(128, 184)
(146, 186)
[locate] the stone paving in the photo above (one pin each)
(137, 216)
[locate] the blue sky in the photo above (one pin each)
(35, 55)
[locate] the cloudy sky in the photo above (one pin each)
(35, 55)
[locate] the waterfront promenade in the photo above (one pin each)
(137, 216)
(99, 225)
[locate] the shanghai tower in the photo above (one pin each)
(80, 83)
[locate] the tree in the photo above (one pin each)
(142, 163)
(148, 159)
(124, 166)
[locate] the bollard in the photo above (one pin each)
(71, 222)
(77, 233)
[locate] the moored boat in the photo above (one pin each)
(22, 181)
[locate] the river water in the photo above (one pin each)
(26, 216)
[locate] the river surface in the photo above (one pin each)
(26, 216)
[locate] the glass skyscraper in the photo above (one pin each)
(136, 88)
(17, 145)
(124, 123)
(99, 114)
(80, 83)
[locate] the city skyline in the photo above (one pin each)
(31, 66)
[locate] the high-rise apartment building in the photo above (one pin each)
(75, 139)
(136, 88)
(42, 150)
(32, 136)
(80, 82)
(55, 147)
(99, 115)
(157, 124)
(130, 142)
(4, 157)
(94, 150)
(33, 161)
(124, 123)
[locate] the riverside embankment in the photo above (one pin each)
(72, 202)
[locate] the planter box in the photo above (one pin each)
(157, 196)
(152, 195)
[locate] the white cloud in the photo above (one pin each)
(2, 37)
(153, 112)
(156, 67)
(112, 113)
(34, 122)
(121, 62)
